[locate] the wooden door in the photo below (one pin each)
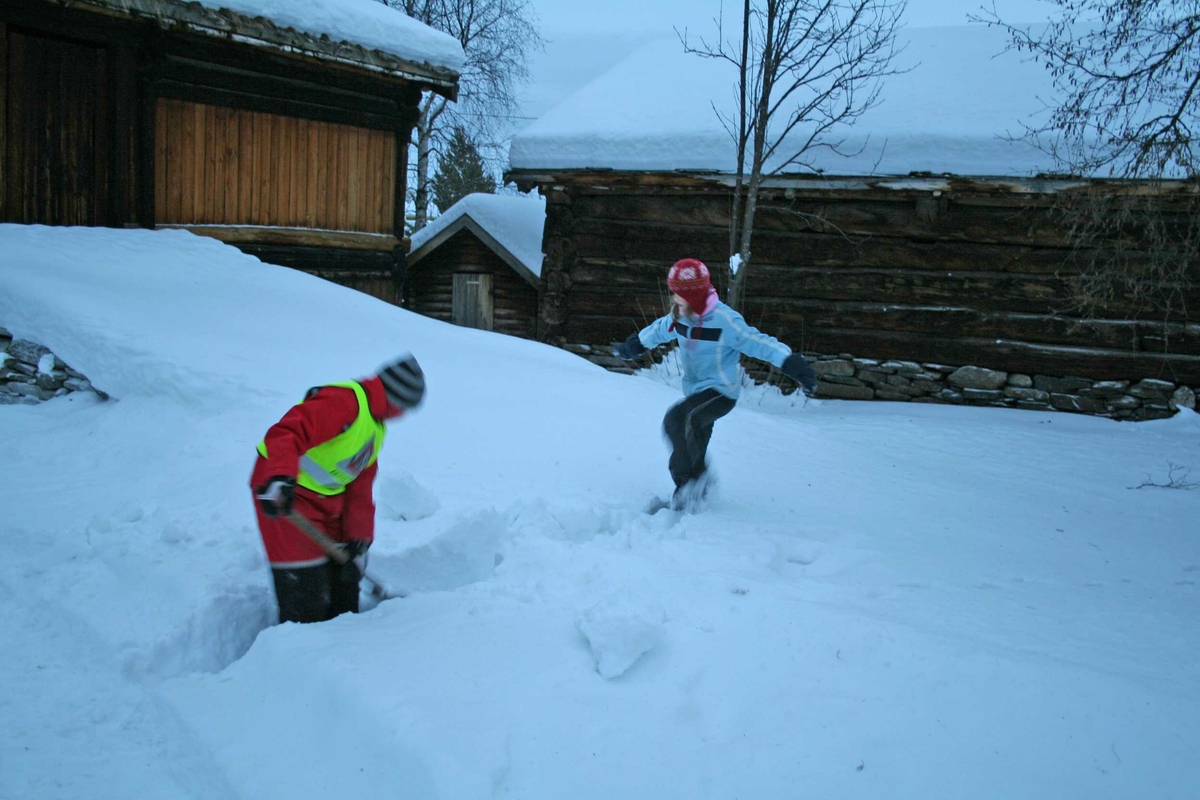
(472, 300)
(56, 143)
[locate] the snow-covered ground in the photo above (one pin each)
(883, 600)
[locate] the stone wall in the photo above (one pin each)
(850, 378)
(845, 377)
(30, 373)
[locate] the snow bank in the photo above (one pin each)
(885, 600)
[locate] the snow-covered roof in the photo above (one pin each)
(353, 31)
(511, 225)
(654, 111)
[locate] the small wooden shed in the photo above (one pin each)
(285, 137)
(479, 265)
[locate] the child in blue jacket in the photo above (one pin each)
(711, 337)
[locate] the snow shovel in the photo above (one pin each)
(375, 588)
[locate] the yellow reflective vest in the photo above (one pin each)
(327, 468)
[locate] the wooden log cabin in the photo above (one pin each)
(953, 271)
(291, 145)
(479, 265)
(945, 249)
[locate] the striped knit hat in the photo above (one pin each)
(403, 382)
(689, 279)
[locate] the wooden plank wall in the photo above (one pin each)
(430, 286)
(968, 277)
(5, 71)
(226, 166)
(56, 159)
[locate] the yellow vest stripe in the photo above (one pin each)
(330, 466)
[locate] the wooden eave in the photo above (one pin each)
(465, 222)
(261, 32)
(602, 180)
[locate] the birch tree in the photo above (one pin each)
(497, 37)
(807, 70)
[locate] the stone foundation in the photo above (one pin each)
(852, 378)
(845, 377)
(30, 373)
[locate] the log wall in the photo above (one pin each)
(110, 120)
(966, 274)
(54, 112)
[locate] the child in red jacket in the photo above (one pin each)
(319, 460)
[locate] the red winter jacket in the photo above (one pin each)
(324, 415)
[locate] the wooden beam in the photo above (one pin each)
(147, 135)
(400, 179)
(286, 107)
(248, 77)
(790, 314)
(1012, 356)
(122, 161)
(291, 237)
(102, 138)
(4, 73)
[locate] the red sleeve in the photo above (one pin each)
(358, 509)
(318, 419)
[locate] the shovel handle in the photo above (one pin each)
(313, 532)
(305, 525)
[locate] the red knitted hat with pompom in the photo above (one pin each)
(689, 279)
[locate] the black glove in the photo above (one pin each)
(277, 496)
(630, 349)
(356, 566)
(799, 370)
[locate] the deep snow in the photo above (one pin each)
(883, 600)
(958, 99)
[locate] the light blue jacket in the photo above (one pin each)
(709, 348)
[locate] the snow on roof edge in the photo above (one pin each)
(334, 28)
(515, 223)
(950, 113)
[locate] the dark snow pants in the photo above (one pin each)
(316, 593)
(689, 425)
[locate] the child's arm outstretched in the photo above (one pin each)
(747, 339)
(648, 338)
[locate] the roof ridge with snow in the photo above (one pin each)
(515, 222)
(950, 112)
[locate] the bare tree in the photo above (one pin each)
(807, 70)
(1127, 79)
(497, 37)
(1128, 76)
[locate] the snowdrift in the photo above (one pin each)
(883, 599)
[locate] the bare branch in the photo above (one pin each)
(807, 71)
(1177, 478)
